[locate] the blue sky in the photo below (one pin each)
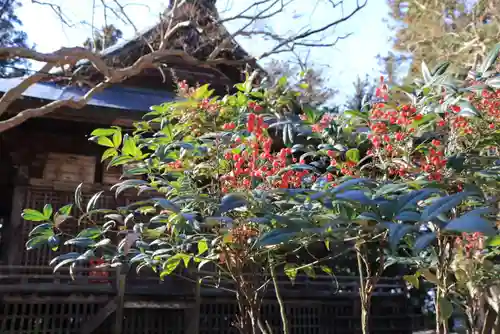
(351, 57)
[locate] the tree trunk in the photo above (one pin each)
(249, 314)
(365, 315)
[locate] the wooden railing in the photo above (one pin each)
(105, 280)
(317, 287)
(43, 279)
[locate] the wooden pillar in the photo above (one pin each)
(120, 299)
(15, 246)
(192, 315)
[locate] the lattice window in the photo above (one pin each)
(217, 318)
(153, 321)
(45, 318)
(36, 198)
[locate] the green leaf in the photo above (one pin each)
(169, 266)
(282, 81)
(440, 68)
(409, 201)
(37, 241)
(291, 271)
(357, 196)
(356, 114)
(185, 258)
(309, 270)
(33, 215)
(91, 232)
(119, 160)
(110, 152)
(471, 223)
(493, 82)
(413, 280)
(80, 242)
(423, 241)
(258, 95)
(127, 184)
(45, 228)
(130, 147)
(139, 258)
(232, 201)
(53, 242)
(103, 132)
(467, 109)
(93, 201)
(202, 246)
(202, 92)
(103, 242)
(408, 216)
(446, 308)
(240, 87)
(353, 155)
(276, 236)
(352, 183)
(490, 59)
(167, 205)
(47, 211)
(105, 141)
(493, 241)
(426, 73)
(65, 210)
(327, 270)
(397, 232)
(117, 139)
(71, 255)
(79, 197)
(424, 120)
(136, 171)
(63, 263)
(443, 205)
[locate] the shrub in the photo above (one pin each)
(239, 183)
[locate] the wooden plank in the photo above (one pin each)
(70, 167)
(93, 323)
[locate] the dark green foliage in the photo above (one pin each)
(11, 36)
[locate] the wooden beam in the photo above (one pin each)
(93, 323)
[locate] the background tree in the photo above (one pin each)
(364, 90)
(460, 31)
(310, 81)
(103, 38)
(10, 36)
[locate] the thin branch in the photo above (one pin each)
(295, 39)
(57, 10)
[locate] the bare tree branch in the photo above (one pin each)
(166, 49)
(56, 9)
(296, 40)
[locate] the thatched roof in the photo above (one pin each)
(197, 40)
